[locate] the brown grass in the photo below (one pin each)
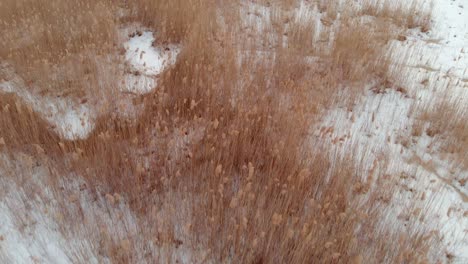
(21, 126)
(55, 49)
(220, 158)
(445, 123)
(174, 20)
(409, 14)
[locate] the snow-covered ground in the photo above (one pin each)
(435, 65)
(71, 120)
(376, 125)
(146, 62)
(75, 120)
(40, 225)
(374, 129)
(41, 240)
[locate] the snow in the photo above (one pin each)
(379, 123)
(147, 59)
(146, 62)
(69, 119)
(32, 219)
(34, 226)
(35, 236)
(38, 238)
(445, 49)
(72, 120)
(375, 129)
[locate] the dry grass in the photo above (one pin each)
(21, 126)
(445, 123)
(359, 50)
(174, 20)
(56, 46)
(222, 140)
(409, 14)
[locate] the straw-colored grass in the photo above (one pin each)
(220, 158)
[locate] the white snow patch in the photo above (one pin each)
(70, 120)
(146, 62)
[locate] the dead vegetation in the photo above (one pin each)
(409, 14)
(218, 161)
(445, 123)
(55, 50)
(173, 19)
